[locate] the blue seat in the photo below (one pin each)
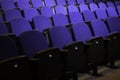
(97, 1)
(80, 1)
(61, 2)
(95, 50)
(60, 9)
(104, 0)
(50, 65)
(35, 40)
(79, 30)
(102, 5)
(113, 23)
(99, 28)
(7, 4)
(75, 17)
(46, 11)
(8, 48)
(71, 2)
(83, 7)
(75, 58)
(93, 6)
(112, 45)
(49, 3)
(19, 25)
(11, 14)
(110, 4)
(55, 33)
(112, 12)
(72, 8)
(37, 3)
(22, 4)
(117, 3)
(41, 22)
(60, 20)
(88, 15)
(101, 14)
(29, 13)
(89, 1)
(14, 0)
(12, 65)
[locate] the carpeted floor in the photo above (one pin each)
(108, 74)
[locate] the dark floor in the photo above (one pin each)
(108, 74)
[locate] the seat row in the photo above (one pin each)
(40, 65)
(86, 15)
(75, 49)
(42, 22)
(22, 4)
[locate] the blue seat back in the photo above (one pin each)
(114, 24)
(29, 13)
(22, 4)
(60, 20)
(97, 1)
(99, 28)
(37, 3)
(93, 6)
(110, 4)
(102, 5)
(41, 22)
(32, 42)
(11, 14)
(72, 8)
(80, 1)
(75, 17)
(61, 2)
(117, 3)
(88, 15)
(49, 3)
(83, 7)
(112, 12)
(70, 2)
(7, 4)
(8, 48)
(47, 11)
(19, 25)
(81, 32)
(101, 13)
(60, 9)
(89, 1)
(60, 36)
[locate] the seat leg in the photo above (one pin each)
(72, 75)
(95, 72)
(75, 76)
(112, 65)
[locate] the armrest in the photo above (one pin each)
(42, 51)
(94, 38)
(106, 39)
(114, 35)
(73, 43)
(11, 34)
(13, 58)
(87, 44)
(63, 50)
(96, 41)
